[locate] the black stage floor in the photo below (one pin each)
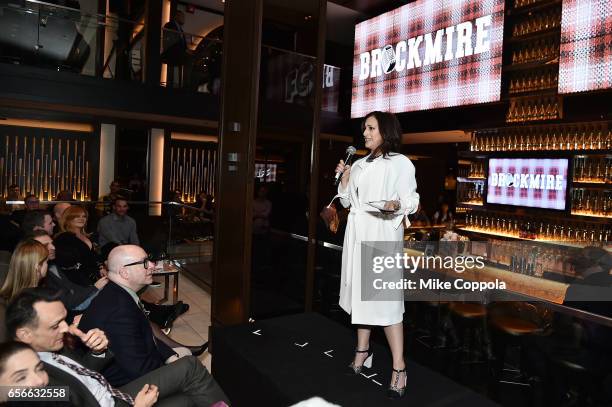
(281, 361)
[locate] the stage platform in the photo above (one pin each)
(281, 361)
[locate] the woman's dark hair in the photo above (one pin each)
(390, 130)
(10, 348)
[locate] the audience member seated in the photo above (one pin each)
(64, 196)
(37, 317)
(76, 255)
(162, 316)
(58, 211)
(21, 366)
(31, 203)
(118, 311)
(14, 194)
(27, 268)
(104, 207)
(74, 296)
(37, 219)
(204, 205)
(118, 227)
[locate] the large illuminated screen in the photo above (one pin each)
(532, 182)
(585, 62)
(428, 54)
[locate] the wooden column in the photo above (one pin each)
(152, 42)
(236, 163)
(313, 208)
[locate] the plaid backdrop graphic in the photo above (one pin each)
(585, 62)
(467, 80)
(532, 197)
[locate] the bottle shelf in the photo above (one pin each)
(551, 61)
(537, 6)
(547, 32)
(590, 215)
(552, 91)
(471, 179)
(592, 185)
(606, 245)
(481, 153)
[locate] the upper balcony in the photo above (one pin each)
(61, 55)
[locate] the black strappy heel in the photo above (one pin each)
(367, 362)
(394, 391)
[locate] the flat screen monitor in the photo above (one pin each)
(530, 182)
(428, 54)
(585, 61)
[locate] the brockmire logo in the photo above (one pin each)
(446, 44)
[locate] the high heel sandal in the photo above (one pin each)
(367, 362)
(394, 391)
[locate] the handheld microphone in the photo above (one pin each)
(350, 150)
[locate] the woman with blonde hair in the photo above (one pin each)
(27, 268)
(75, 252)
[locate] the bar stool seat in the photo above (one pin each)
(512, 322)
(434, 314)
(468, 310)
(515, 326)
(470, 320)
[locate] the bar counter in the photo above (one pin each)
(534, 287)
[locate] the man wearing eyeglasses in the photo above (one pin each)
(118, 311)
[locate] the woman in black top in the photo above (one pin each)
(76, 255)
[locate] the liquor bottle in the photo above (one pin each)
(598, 140)
(597, 171)
(575, 139)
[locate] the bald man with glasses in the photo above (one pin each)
(118, 311)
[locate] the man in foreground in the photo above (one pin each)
(37, 317)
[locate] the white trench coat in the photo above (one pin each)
(389, 178)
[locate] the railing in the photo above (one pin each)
(169, 230)
(75, 40)
(81, 41)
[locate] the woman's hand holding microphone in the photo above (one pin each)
(346, 173)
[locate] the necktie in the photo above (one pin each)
(146, 313)
(83, 371)
(143, 309)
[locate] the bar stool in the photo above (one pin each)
(433, 336)
(470, 320)
(511, 323)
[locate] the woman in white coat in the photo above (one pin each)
(383, 175)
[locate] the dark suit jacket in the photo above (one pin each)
(72, 294)
(174, 44)
(79, 394)
(129, 333)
